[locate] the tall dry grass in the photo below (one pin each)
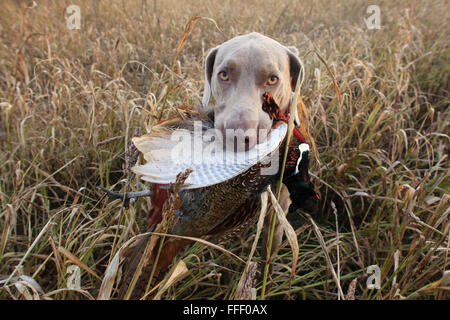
(377, 114)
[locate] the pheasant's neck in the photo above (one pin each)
(296, 132)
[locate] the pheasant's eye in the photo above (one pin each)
(223, 75)
(272, 80)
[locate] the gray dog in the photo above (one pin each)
(237, 73)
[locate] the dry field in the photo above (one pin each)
(377, 112)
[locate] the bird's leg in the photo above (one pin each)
(127, 195)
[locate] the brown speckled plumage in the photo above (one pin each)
(219, 211)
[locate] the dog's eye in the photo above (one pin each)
(272, 80)
(223, 75)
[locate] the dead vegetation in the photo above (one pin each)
(376, 109)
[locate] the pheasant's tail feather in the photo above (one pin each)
(132, 257)
(170, 248)
(150, 257)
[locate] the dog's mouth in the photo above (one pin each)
(239, 145)
(239, 142)
(243, 135)
(247, 142)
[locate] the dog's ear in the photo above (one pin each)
(296, 68)
(209, 66)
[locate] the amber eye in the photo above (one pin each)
(223, 75)
(272, 80)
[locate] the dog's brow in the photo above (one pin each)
(267, 70)
(231, 65)
(264, 72)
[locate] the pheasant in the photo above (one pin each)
(219, 198)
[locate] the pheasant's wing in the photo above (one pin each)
(168, 155)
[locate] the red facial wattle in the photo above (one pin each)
(275, 113)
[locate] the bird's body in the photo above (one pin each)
(218, 210)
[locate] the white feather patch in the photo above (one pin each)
(169, 155)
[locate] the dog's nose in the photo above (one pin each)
(240, 134)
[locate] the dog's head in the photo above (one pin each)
(237, 73)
